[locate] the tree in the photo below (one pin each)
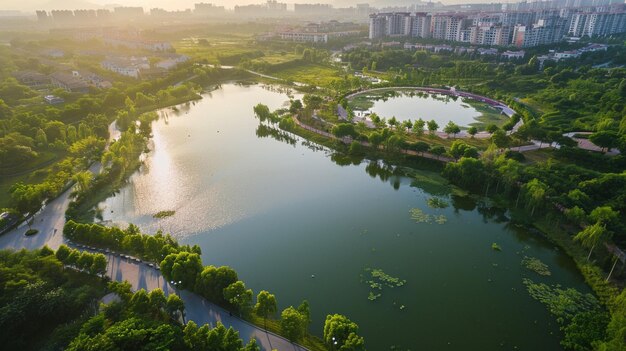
(28, 197)
(83, 179)
(432, 126)
(419, 147)
(292, 323)
(340, 333)
(605, 139)
(536, 192)
(237, 295)
(312, 102)
(212, 282)
(305, 311)
(174, 305)
(591, 236)
(491, 128)
(62, 253)
(438, 150)
(392, 122)
(407, 124)
(157, 301)
(140, 302)
(472, 131)
(183, 267)
(452, 128)
(418, 127)
(295, 106)
(85, 261)
(344, 129)
(460, 149)
(99, 265)
(265, 305)
(500, 139)
(603, 215)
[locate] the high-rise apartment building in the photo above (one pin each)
(526, 28)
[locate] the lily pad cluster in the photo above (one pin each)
(535, 265)
(377, 280)
(420, 217)
(435, 202)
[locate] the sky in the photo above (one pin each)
(31, 5)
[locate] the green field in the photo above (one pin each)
(312, 74)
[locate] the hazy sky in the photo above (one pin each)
(30, 5)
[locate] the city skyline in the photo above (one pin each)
(32, 5)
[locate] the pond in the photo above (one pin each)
(408, 104)
(294, 219)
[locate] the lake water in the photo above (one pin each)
(406, 105)
(292, 221)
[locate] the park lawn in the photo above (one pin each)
(312, 74)
(44, 159)
(215, 50)
(278, 57)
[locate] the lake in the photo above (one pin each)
(406, 104)
(294, 222)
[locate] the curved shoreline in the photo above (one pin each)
(506, 109)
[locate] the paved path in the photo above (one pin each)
(197, 309)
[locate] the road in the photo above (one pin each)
(197, 309)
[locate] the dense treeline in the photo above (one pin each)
(149, 247)
(221, 285)
(151, 321)
(40, 298)
(49, 303)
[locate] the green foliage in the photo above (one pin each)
(212, 281)
(238, 296)
(580, 316)
(150, 247)
(265, 305)
(183, 268)
(292, 323)
(535, 265)
(340, 333)
(38, 295)
(164, 214)
(343, 130)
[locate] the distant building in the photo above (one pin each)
(54, 53)
(69, 82)
(513, 55)
(203, 9)
(53, 99)
(171, 61)
(32, 79)
(529, 27)
(129, 67)
(92, 79)
(138, 43)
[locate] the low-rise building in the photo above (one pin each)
(513, 55)
(32, 79)
(53, 99)
(68, 82)
(129, 67)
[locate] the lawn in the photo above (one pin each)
(312, 74)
